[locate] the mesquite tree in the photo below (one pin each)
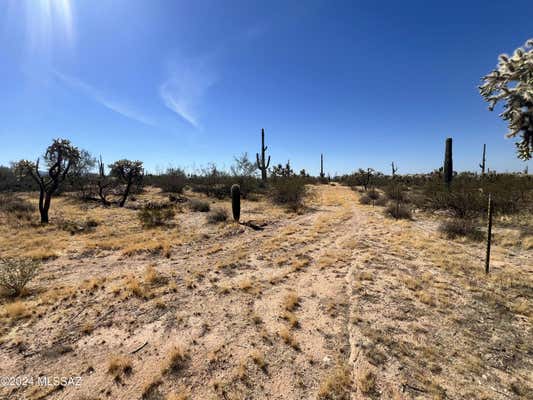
(512, 83)
(127, 172)
(60, 158)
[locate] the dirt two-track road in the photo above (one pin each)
(339, 302)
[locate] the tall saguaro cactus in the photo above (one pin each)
(262, 164)
(482, 165)
(322, 175)
(394, 169)
(448, 163)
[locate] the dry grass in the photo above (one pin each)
(288, 338)
(258, 358)
(290, 301)
(290, 318)
(337, 385)
(16, 310)
(134, 287)
(176, 359)
(119, 364)
(366, 380)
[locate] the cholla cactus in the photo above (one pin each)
(512, 82)
(60, 158)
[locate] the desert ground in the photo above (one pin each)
(335, 302)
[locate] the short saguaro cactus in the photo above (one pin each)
(236, 202)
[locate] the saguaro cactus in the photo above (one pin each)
(236, 202)
(394, 169)
(322, 175)
(448, 163)
(482, 165)
(262, 164)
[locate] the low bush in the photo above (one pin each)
(365, 199)
(398, 211)
(156, 214)
(382, 201)
(16, 273)
(372, 197)
(457, 227)
(16, 206)
(74, 227)
(173, 180)
(396, 192)
(216, 216)
(199, 205)
(289, 191)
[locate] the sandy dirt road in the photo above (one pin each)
(337, 303)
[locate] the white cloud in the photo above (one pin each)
(112, 104)
(186, 87)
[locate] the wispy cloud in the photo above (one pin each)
(185, 88)
(112, 104)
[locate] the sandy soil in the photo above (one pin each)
(337, 303)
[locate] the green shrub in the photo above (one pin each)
(216, 216)
(365, 199)
(288, 191)
(156, 214)
(199, 205)
(16, 273)
(173, 180)
(398, 211)
(16, 206)
(456, 227)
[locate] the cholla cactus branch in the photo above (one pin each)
(512, 83)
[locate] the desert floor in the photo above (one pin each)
(338, 302)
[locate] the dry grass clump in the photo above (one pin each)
(259, 359)
(288, 338)
(177, 358)
(119, 364)
(15, 274)
(290, 301)
(16, 310)
(153, 277)
(134, 287)
(367, 381)
(199, 205)
(217, 216)
(337, 385)
(180, 396)
(291, 318)
(87, 328)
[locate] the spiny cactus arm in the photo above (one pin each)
(258, 162)
(268, 163)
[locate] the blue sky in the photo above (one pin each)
(185, 83)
